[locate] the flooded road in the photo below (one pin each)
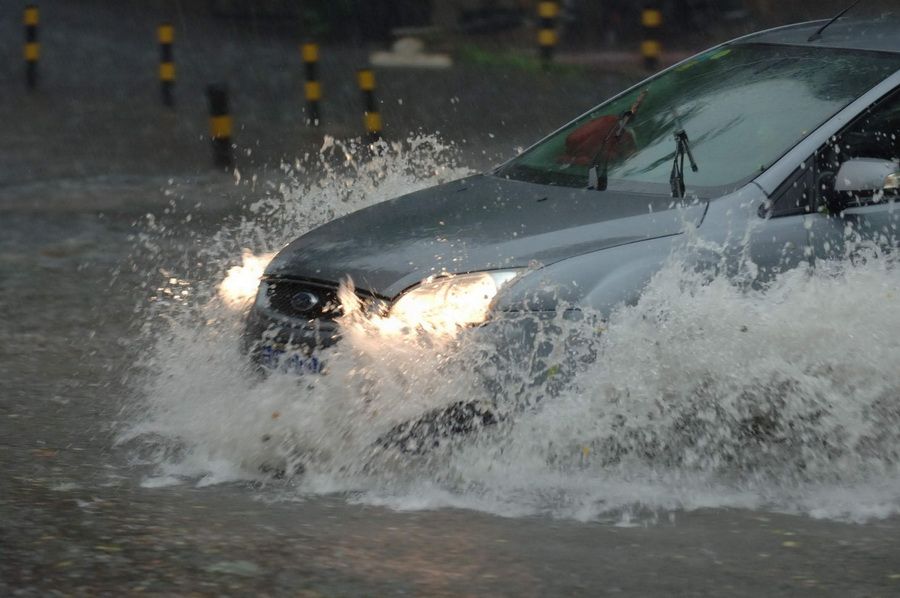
(137, 445)
(82, 516)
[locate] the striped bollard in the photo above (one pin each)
(166, 35)
(547, 36)
(312, 87)
(651, 48)
(220, 125)
(371, 118)
(32, 46)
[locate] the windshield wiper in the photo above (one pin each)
(598, 179)
(682, 149)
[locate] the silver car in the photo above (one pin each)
(780, 147)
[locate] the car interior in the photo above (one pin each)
(873, 135)
(876, 134)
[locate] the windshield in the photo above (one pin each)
(742, 107)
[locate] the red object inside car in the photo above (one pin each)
(584, 143)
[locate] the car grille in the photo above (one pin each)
(304, 299)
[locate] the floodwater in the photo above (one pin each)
(133, 430)
(140, 453)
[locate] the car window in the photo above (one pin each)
(794, 196)
(742, 107)
(875, 134)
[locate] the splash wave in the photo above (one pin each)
(704, 393)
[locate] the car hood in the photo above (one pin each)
(477, 223)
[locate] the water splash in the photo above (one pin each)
(240, 283)
(706, 393)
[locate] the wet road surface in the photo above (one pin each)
(74, 519)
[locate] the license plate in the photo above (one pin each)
(292, 362)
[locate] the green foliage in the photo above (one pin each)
(517, 59)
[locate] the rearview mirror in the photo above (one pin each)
(863, 176)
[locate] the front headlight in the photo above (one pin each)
(447, 303)
(241, 283)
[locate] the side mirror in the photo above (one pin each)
(867, 176)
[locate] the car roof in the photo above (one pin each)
(879, 34)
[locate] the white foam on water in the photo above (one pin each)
(707, 393)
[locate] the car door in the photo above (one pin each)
(856, 225)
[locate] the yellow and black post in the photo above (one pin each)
(371, 117)
(166, 35)
(547, 36)
(220, 125)
(32, 46)
(651, 48)
(312, 87)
